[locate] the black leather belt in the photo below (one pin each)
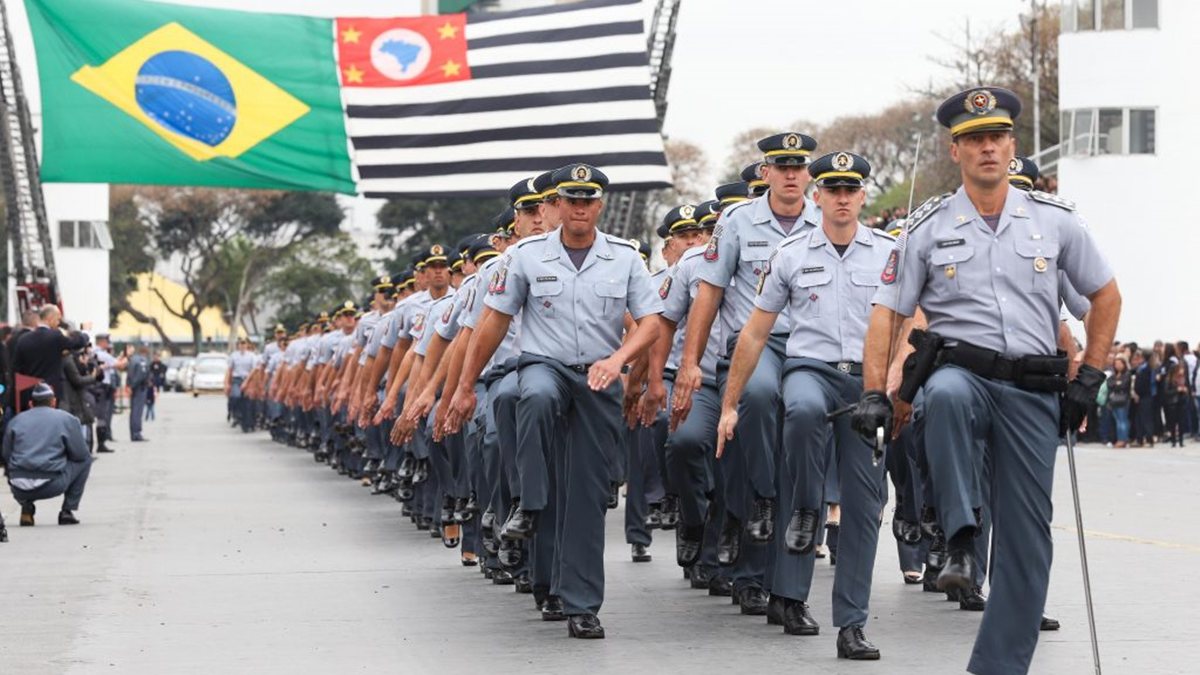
(848, 367)
(1032, 373)
(583, 368)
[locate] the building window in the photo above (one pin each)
(1141, 132)
(84, 234)
(1086, 15)
(1143, 14)
(1107, 131)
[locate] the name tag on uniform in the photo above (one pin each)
(811, 270)
(947, 243)
(758, 243)
(550, 278)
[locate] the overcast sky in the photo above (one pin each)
(785, 60)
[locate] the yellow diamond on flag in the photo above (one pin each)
(196, 97)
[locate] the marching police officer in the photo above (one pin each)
(574, 287)
(736, 258)
(826, 277)
(982, 265)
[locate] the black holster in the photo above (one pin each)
(921, 363)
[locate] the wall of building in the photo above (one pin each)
(1141, 206)
(82, 272)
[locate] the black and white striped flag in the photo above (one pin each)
(470, 104)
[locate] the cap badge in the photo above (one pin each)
(842, 162)
(529, 185)
(437, 249)
(582, 173)
(980, 102)
(791, 141)
(687, 211)
(385, 280)
(1014, 166)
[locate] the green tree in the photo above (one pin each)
(319, 275)
(408, 226)
(130, 256)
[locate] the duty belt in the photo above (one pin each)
(1033, 373)
(848, 367)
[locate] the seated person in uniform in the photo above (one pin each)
(46, 456)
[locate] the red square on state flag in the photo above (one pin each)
(402, 52)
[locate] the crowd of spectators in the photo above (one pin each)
(1150, 397)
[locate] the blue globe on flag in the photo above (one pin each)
(400, 54)
(188, 95)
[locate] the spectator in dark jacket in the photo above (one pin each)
(38, 353)
(77, 398)
(1144, 390)
(1119, 398)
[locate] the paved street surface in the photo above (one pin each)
(206, 551)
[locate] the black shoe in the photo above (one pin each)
(832, 534)
(104, 448)
(959, 571)
(801, 533)
(470, 508)
(689, 540)
(753, 601)
(972, 600)
(729, 543)
(469, 562)
(424, 523)
(447, 515)
(654, 517)
(1049, 623)
(761, 526)
(421, 472)
(701, 577)
(853, 645)
(488, 573)
(775, 610)
(521, 525)
(639, 553)
(65, 517)
(3, 534)
(722, 588)
(509, 554)
(614, 498)
(670, 512)
(585, 627)
(407, 466)
(502, 578)
(140, 439)
(523, 584)
(552, 609)
(905, 531)
(797, 620)
(929, 580)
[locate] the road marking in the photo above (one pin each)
(1133, 540)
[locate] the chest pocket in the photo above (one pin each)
(810, 291)
(863, 287)
(612, 293)
(948, 266)
(1037, 261)
(546, 295)
(755, 258)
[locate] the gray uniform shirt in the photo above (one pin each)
(997, 290)
(448, 324)
(573, 316)
(422, 331)
(241, 363)
(737, 255)
(682, 288)
(488, 275)
(827, 295)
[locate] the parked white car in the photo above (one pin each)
(172, 377)
(208, 374)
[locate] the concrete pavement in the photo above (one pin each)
(207, 551)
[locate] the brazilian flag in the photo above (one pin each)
(140, 92)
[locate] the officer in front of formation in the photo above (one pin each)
(982, 264)
(825, 277)
(736, 258)
(241, 364)
(574, 287)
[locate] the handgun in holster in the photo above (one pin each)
(921, 363)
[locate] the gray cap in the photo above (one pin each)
(42, 392)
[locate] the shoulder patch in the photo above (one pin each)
(665, 289)
(924, 211)
(1053, 200)
(614, 239)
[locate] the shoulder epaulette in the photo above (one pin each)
(536, 237)
(1053, 200)
(924, 211)
(734, 207)
(614, 239)
(883, 235)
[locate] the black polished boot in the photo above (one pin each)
(761, 526)
(701, 577)
(959, 571)
(614, 498)
(729, 543)
(753, 601)
(720, 587)
(905, 531)
(670, 512)
(775, 607)
(585, 627)
(801, 534)
(521, 524)
(552, 609)
(972, 600)
(509, 553)
(639, 553)
(853, 645)
(797, 620)
(689, 540)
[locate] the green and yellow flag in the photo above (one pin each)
(188, 96)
